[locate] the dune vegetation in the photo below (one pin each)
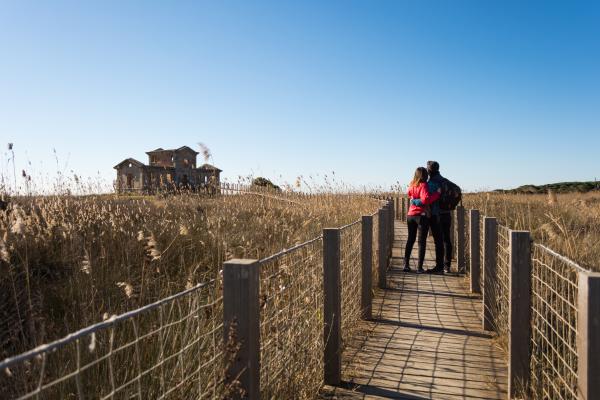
(70, 261)
(568, 223)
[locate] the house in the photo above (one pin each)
(166, 170)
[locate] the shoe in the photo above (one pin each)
(420, 270)
(406, 269)
(436, 270)
(446, 270)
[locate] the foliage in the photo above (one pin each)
(264, 182)
(561, 187)
(68, 261)
(568, 223)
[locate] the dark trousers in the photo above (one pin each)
(420, 224)
(440, 229)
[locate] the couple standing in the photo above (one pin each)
(432, 199)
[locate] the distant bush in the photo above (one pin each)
(264, 182)
(561, 187)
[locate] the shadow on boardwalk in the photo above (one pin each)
(425, 342)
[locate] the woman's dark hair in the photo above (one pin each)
(421, 176)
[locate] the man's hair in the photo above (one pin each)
(433, 166)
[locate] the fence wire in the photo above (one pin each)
(170, 349)
(501, 294)
(554, 326)
(291, 322)
(350, 279)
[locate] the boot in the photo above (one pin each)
(436, 270)
(406, 265)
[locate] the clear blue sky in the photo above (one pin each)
(500, 93)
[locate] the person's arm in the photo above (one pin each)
(428, 198)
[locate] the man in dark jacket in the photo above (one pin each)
(440, 223)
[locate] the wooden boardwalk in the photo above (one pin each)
(425, 341)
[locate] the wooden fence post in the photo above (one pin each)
(397, 207)
(382, 242)
(460, 239)
(241, 325)
(490, 257)
(391, 214)
(474, 251)
(332, 306)
(519, 315)
(588, 335)
(403, 211)
(366, 252)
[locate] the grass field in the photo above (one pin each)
(568, 223)
(72, 261)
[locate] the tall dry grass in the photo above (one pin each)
(570, 225)
(72, 261)
(567, 223)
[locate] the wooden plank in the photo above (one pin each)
(382, 246)
(367, 266)
(519, 314)
(460, 239)
(425, 342)
(241, 326)
(474, 251)
(588, 335)
(391, 224)
(332, 306)
(404, 208)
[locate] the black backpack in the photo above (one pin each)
(451, 195)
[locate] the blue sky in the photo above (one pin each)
(500, 93)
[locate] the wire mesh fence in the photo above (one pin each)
(500, 295)
(291, 322)
(350, 278)
(166, 350)
(554, 291)
(554, 325)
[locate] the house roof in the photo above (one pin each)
(186, 148)
(129, 161)
(161, 150)
(208, 167)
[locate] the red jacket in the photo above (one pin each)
(421, 192)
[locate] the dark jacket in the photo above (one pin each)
(434, 183)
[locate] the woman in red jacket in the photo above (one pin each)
(418, 216)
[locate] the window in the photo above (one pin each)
(129, 181)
